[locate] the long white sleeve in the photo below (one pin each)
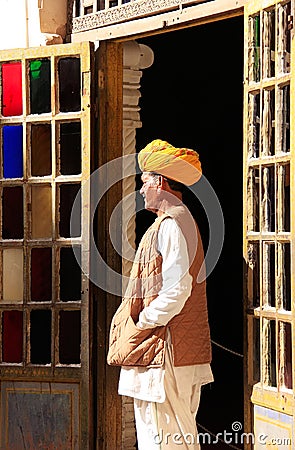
(177, 282)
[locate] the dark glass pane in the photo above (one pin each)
(272, 123)
(12, 213)
(257, 60)
(41, 274)
(68, 193)
(268, 199)
(269, 277)
(40, 89)
(272, 275)
(253, 274)
(254, 125)
(70, 275)
(283, 119)
(70, 148)
(286, 187)
(254, 60)
(272, 23)
(69, 337)
(287, 276)
(69, 84)
(41, 150)
(40, 336)
(13, 151)
(272, 374)
(12, 336)
(285, 37)
(12, 104)
(254, 200)
(256, 350)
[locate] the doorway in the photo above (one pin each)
(192, 96)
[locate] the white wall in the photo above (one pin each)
(34, 33)
(21, 22)
(13, 24)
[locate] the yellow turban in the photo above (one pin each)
(179, 164)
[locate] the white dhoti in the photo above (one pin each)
(171, 425)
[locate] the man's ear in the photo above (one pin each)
(161, 181)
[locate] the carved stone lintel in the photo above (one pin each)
(123, 13)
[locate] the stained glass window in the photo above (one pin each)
(41, 174)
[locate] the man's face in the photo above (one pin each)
(150, 191)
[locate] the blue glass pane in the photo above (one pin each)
(13, 151)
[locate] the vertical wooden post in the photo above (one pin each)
(109, 146)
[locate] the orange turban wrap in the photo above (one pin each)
(178, 164)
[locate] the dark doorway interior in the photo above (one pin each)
(192, 96)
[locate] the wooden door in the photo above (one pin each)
(269, 222)
(45, 319)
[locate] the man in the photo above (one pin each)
(160, 333)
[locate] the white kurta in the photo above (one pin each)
(148, 384)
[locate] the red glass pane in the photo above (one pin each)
(12, 336)
(41, 274)
(12, 103)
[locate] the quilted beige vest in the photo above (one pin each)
(189, 330)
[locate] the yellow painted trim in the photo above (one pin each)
(254, 6)
(79, 48)
(278, 401)
(292, 194)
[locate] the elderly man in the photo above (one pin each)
(160, 333)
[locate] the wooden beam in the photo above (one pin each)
(109, 146)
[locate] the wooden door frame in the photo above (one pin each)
(109, 144)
